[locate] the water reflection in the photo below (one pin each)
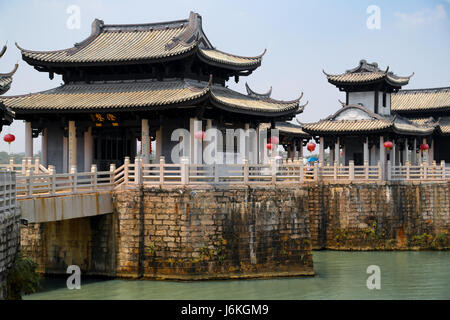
(340, 275)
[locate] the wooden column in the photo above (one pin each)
(414, 153)
(405, 152)
(331, 155)
(253, 146)
(145, 141)
(393, 152)
(382, 152)
(28, 140)
(65, 156)
(425, 152)
(366, 150)
(336, 151)
(88, 149)
(158, 142)
(44, 158)
(196, 144)
(431, 152)
(72, 144)
(321, 150)
(300, 149)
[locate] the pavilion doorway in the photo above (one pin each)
(112, 145)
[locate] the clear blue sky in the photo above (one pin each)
(302, 38)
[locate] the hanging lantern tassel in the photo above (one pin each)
(388, 145)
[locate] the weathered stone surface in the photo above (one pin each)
(9, 232)
(212, 234)
(208, 233)
(384, 216)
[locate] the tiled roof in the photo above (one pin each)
(347, 126)
(141, 94)
(421, 100)
(402, 125)
(5, 83)
(226, 58)
(444, 126)
(141, 42)
(367, 73)
(6, 78)
(234, 99)
(291, 129)
(366, 121)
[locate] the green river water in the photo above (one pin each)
(339, 275)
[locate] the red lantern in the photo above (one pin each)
(388, 145)
(269, 146)
(424, 147)
(9, 138)
(200, 135)
(274, 140)
(311, 146)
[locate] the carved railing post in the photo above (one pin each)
(51, 170)
(184, 168)
(245, 168)
(301, 170)
(29, 174)
(443, 169)
(351, 170)
(138, 170)
(126, 170)
(380, 170)
(94, 176)
(112, 168)
(73, 173)
(366, 170)
(389, 170)
(408, 170)
(162, 162)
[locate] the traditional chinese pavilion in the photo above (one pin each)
(126, 83)
(430, 107)
(359, 129)
(6, 116)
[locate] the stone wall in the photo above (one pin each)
(208, 233)
(87, 242)
(212, 233)
(9, 232)
(383, 216)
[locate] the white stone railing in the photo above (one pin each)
(33, 180)
(7, 192)
(423, 172)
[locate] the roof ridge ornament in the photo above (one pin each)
(190, 35)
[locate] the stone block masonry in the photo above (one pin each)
(188, 234)
(9, 244)
(383, 216)
(242, 232)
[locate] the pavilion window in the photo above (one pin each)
(384, 100)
